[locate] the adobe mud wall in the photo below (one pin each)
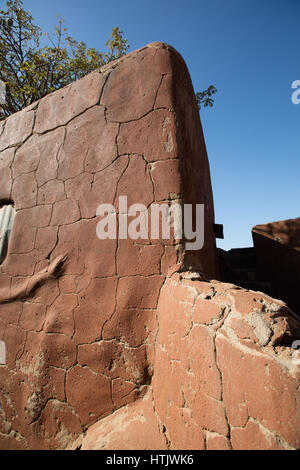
(224, 377)
(277, 245)
(93, 327)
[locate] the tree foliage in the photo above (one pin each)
(33, 63)
(204, 98)
(30, 70)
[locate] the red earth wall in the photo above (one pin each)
(95, 330)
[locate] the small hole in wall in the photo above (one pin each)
(7, 215)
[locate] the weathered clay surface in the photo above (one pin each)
(224, 375)
(277, 246)
(107, 346)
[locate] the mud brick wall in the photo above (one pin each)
(95, 331)
(225, 376)
(277, 245)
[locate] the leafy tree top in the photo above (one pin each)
(31, 71)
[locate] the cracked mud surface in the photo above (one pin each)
(107, 345)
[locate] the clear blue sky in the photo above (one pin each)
(250, 50)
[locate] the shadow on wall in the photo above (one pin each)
(277, 247)
(272, 266)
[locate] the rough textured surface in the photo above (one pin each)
(107, 345)
(224, 376)
(277, 246)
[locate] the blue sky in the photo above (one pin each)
(250, 51)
